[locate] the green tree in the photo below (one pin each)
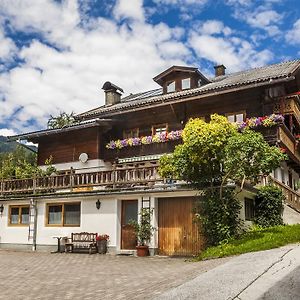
(212, 156)
(21, 164)
(60, 121)
(269, 206)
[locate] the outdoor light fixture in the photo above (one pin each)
(1, 209)
(98, 204)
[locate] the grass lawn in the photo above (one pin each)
(255, 240)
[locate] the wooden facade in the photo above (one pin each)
(67, 147)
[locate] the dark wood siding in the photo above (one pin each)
(67, 147)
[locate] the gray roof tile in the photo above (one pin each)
(248, 77)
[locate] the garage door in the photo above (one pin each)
(177, 232)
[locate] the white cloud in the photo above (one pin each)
(293, 35)
(64, 71)
(266, 20)
(129, 9)
(214, 27)
(184, 6)
(6, 132)
(70, 78)
(258, 14)
(234, 53)
(7, 47)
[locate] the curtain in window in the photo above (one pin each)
(55, 214)
(72, 214)
(14, 215)
(24, 215)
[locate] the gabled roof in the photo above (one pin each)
(245, 79)
(160, 77)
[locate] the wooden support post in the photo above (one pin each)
(2, 187)
(34, 184)
(114, 175)
(71, 179)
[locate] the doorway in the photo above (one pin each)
(129, 212)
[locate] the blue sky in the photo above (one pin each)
(56, 54)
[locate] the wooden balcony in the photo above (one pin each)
(280, 135)
(142, 150)
(288, 106)
(292, 198)
(84, 182)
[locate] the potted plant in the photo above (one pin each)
(143, 231)
(102, 240)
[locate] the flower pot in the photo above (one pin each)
(142, 251)
(102, 246)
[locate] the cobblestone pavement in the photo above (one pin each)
(33, 276)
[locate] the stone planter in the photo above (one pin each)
(102, 246)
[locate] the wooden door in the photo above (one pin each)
(129, 212)
(177, 232)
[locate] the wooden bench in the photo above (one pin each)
(82, 241)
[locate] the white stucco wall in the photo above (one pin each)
(89, 166)
(107, 220)
(101, 221)
(282, 174)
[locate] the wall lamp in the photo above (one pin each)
(1, 209)
(98, 204)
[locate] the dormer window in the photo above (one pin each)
(186, 83)
(178, 78)
(171, 87)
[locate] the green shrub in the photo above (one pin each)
(218, 218)
(269, 206)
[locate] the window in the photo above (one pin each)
(160, 128)
(130, 133)
(63, 214)
(171, 87)
(19, 215)
(186, 83)
(282, 176)
(236, 117)
(249, 209)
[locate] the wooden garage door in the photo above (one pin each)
(177, 233)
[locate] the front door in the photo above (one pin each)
(129, 212)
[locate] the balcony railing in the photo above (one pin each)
(282, 136)
(292, 197)
(288, 106)
(113, 179)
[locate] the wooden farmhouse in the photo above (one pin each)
(107, 162)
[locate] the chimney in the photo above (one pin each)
(219, 70)
(112, 93)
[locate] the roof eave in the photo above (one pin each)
(42, 133)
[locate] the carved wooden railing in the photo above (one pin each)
(288, 106)
(282, 136)
(292, 198)
(114, 179)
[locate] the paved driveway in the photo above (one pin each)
(26, 275)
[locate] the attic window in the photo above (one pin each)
(186, 83)
(171, 87)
